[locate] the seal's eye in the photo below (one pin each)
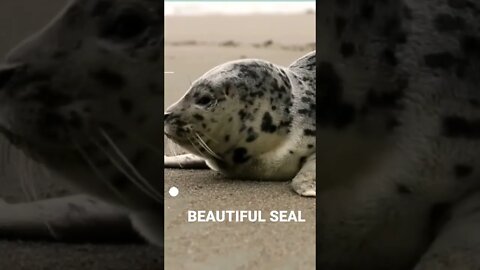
(205, 100)
(126, 26)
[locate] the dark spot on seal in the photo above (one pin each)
(303, 111)
(240, 155)
(243, 114)
(347, 49)
(252, 135)
(59, 54)
(445, 23)
(462, 170)
(389, 56)
(267, 123)
(458, 4)
(307, 100)
(442, 60)
(403, 189)
(470, 45)
(462, 66)
(459, 127)
(367, 11)
(108, 78)
(48, 97)
(51, 120)
(126, 105)
(391, 26)
(332, 110)
(401, 37)
(392, 123)
(407, 12)
(309, 132)
(387, 100)
(198, 117)
(227, 138)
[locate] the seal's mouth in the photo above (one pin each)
(178, 133)
(197, 143)
(180, 140)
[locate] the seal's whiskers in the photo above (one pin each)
(134, 175)
(192, 143)
(172, 147)
(206, 147)
(208, 137)
(96, 171)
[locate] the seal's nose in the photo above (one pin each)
(7, 72)
(166, 116)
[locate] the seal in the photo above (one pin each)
(250, 119)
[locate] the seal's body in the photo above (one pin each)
(251, 119)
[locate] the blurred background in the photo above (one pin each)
(198, 36)
(19, 177)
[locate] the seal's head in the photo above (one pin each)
(233, 112)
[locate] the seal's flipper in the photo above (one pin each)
(304, 183)
(186, 161)
(70, 219)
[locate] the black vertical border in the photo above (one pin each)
(162, 11)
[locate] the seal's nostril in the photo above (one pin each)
(7, 73)
(166, 115)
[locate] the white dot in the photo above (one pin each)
(173, 191)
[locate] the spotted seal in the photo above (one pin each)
(250, 119)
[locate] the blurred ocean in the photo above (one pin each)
(237, 8)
